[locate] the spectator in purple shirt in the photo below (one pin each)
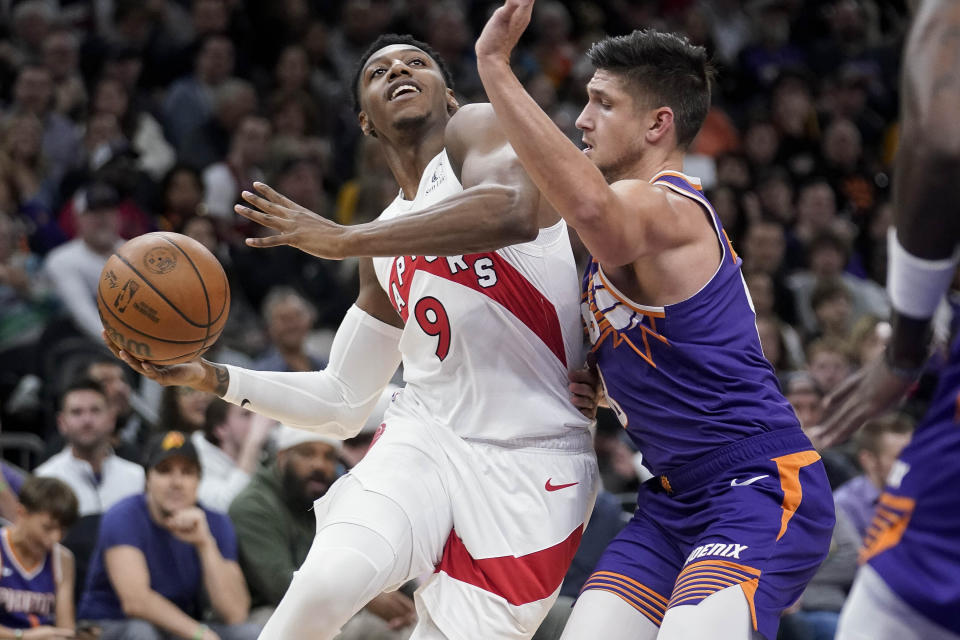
(878, 446)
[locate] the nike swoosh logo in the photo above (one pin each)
(557, 487)
(734, 483)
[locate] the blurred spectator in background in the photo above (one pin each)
(223, 181)
(183, 409)
(133, 417)
(88, 464)
(832, 307)
(828, 253)
(829, 362)
(32, 190)
(289, 319)
(806, 398)
(764, 249)
(33, 95)
(61, 48)
(760, 286)
(869, 337)
(155, 156)
(275, 526)
(181, 194)
(36, 585)
(189, 100)
(230, 447)
(209, 142)
(25, 300)
(132, 592)
(73, 269)
(879, 444)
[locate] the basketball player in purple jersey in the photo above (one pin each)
(909, 586)
(738, 515)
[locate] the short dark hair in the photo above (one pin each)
(82, 384)
(52, 496)
(386, 40)
(827, 290)
(873, 431)
(667, 68)
(213, 417)
(829, 239)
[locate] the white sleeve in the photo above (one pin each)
(337, 400)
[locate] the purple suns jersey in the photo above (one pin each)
(913, 539)
(686, 378)
(27, 595)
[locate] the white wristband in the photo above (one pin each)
(916, 285)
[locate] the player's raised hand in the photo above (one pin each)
(503, 29)
(864, 395)
(296, 226)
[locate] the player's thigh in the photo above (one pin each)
(400, 492)
(873, 611)
(601, 614)
(723, 615)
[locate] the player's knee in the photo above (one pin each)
(346, 567)
(726, 609)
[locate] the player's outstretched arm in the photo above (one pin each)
(616, 222)
(498, 207)
(923, 250)
(335, 401)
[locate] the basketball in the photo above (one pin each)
(163, 298)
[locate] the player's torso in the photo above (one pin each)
(686, 378)
(488, 338)
(27, 594)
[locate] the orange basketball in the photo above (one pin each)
(163, 298)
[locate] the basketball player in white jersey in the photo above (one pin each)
(483, 472)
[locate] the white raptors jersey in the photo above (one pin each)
(488, 338)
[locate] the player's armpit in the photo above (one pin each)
(373, 299)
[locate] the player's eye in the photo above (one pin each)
(376, 72)
(418, 61)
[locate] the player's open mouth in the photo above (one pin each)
(587, 147)
(404, 89)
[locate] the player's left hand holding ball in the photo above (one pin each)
(296, 226)
(191, 374)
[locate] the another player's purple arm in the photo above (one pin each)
(498, 207)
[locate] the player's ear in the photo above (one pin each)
(365, 125)
(452, 104)
(661, 123)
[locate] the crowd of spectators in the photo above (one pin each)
(119, 117)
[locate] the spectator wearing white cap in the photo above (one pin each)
(275, 527)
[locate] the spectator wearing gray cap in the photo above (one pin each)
(275, 527)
